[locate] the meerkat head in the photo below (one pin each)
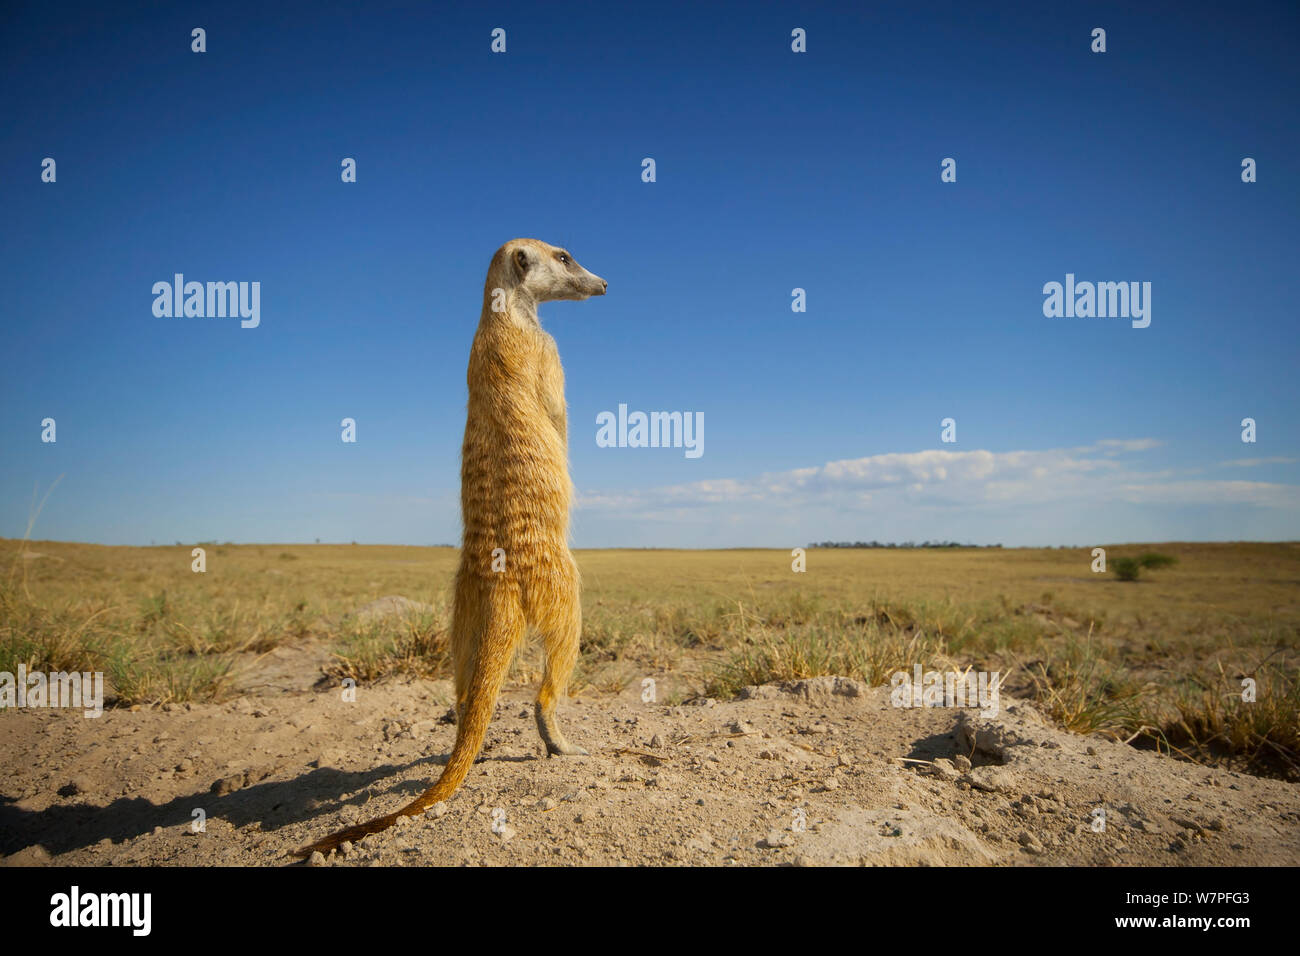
(540, 272)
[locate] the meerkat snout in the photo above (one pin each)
(587, 283)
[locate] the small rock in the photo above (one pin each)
(991, 779)
(77, 786)
(317, 859)
(961, 762)
(345, 847)
(1029, 842)
(776, 839)
(944, 769)
(656, 741)
(229, 784)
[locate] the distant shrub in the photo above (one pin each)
(1128, 569)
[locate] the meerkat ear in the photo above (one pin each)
(521, 261)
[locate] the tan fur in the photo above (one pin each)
(515, 494)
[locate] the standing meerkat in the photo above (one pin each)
(516, 570)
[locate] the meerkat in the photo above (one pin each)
(516, 570)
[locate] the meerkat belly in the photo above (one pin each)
(515, 492)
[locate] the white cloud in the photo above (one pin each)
(1262, 494)
(1255, 462)
(1093, 474)
(1130, 444)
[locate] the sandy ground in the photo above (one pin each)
(813, 772)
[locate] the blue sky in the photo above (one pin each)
(775, 170)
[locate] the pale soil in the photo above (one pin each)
(717, 783)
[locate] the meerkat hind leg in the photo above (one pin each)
(466, 631)
(561, 656)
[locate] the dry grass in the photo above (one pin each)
(1159, 660)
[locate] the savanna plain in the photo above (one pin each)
(737, 712)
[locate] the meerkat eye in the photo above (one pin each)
(564, 257)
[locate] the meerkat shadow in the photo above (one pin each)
(373, 789)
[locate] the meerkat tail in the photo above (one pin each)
(485, 686)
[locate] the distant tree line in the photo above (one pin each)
(905, 544)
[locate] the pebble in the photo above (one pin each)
(1029, 842)
(945, 769)
(228, 784)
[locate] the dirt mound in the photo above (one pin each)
(813, 772)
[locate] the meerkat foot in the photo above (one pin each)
(556, 745)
